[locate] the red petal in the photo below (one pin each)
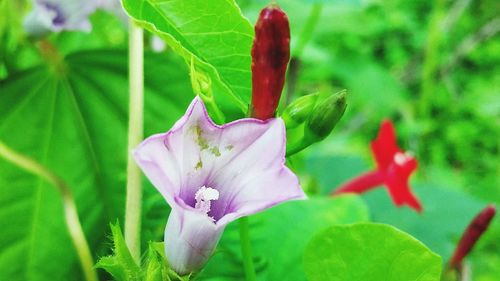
(396, 181)
(384, 147)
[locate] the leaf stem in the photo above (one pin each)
(246, 249)
(70, 211)
(135, 135)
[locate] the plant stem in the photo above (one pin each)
(246, 250)
(295, 61)
(360, 184)
(135, 135)
(307, 31)
(431, 59)
(298, 146)
(70, 211)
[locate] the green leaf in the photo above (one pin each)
(439, 226)
(279, 237)
(74, 122)
(367, 251)
(120, 265)
(446, 215)
(213, 34)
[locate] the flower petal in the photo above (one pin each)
(255, 177)
(384, 147)
(244, 161)
(396, 180)
(190, 239)
(170, 160)
(401, 195)
(58, 15)
(229, 158)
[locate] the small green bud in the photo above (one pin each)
(326, 114)
(299, 110)
(200, 82)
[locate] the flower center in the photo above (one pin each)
(203, 198)
(401, 158)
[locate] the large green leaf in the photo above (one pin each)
(213, 34)
(365, 251)
(280, 236)
(446, 215)
(439, 226)
(73, 121)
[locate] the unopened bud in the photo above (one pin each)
(326, 114)
(200, 82)
(270, 55)
(299, 111)
(473, 232)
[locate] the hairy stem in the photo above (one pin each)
(135, 135)
(246, 250)
(70, 211)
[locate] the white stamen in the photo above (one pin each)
(402, 158)
(203, 198)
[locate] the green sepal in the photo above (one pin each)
(153, 267)
(299, 110)
(120, 265)
(325, 115)
(306, 125)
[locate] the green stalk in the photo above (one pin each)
(135, 135)
(70, 211)
(431, 60)
(246, 250)
(298, 146)
(307, 30)
(304, 38)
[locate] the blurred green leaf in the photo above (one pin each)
(213, 34)
(74, 122)
(333, 2)
(445, 216)
(367, 251)
(332, 170)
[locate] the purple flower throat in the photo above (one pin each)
(59, 18)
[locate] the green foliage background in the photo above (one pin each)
(431, 66)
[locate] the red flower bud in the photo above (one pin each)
(471, 234)
(270, 56)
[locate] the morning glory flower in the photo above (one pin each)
(211, 175)
(58, 15)
(394, 168)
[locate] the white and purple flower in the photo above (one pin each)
(212, 175)
(57, 15)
